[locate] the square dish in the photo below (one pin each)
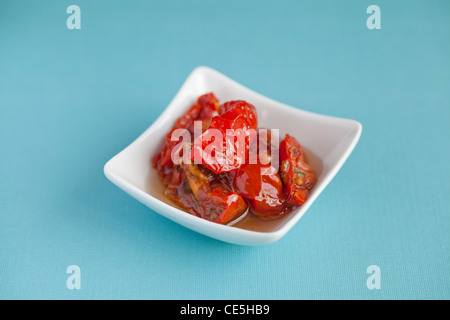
(327, 142)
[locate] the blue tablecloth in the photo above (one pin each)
(71, 99)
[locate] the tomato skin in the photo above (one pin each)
(264, 193)
(210, 200)
(188, 118)
(237, 116)
(233, 204)
(209, 106)
(240, 109)
(297, 176)
(206, 107)
(260, 183)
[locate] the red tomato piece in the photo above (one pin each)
(211, 200)
(209, 108)
(205, 108)
(297, 176)
(240, 109)
(235, 128)
(264, 193)
(260, 183)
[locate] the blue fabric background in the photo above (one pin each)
(71, 99)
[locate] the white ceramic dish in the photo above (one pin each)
(328, 141)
